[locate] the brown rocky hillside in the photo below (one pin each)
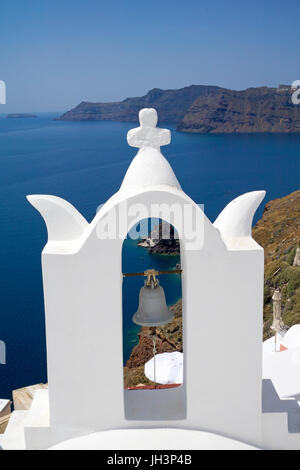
(171, 106)
(259, 109)
(278, 232)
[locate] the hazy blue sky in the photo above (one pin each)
(56, 53)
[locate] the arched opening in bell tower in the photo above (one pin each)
(152, 244)
(152, 310)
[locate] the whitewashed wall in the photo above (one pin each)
(222, 311)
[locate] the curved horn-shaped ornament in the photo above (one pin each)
(63, 221)
(235, 221)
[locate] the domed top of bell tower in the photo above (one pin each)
(149, 167)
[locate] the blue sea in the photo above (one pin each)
(84, 163)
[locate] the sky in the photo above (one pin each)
(56, 53)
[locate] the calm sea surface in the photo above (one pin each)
(84, 163)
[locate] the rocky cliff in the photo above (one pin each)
(171, 106)
(278, 232)
(163, 240)
(204, 109)
(252, 110)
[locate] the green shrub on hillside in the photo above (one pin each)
(291, 256)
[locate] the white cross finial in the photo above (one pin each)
(148, 135)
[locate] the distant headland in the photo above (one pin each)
(21, 115)
(204, 109)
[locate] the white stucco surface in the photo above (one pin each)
(149, 167)
(152, 439)
(283, 367)
(235, 221)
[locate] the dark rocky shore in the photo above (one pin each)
(162, 240)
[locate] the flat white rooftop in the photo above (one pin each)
(152, 439)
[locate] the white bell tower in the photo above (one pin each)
(222, 288)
